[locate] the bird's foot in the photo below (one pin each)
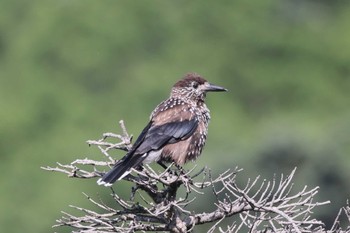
(168, 168)
(183, 174)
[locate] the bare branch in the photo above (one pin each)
(155, 204)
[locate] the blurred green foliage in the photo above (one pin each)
(70, 70)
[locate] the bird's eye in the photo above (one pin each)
(195, 85)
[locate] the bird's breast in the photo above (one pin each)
(186, 150)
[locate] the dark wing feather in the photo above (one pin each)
(172, 132)
(153, 137)
(138, 141)
(120, 169)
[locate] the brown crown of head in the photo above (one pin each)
(189, 79)
(195, 82)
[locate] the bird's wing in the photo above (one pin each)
(155, 137)
(140, 138)
(168, 126)
(159, 135)
(171, 122)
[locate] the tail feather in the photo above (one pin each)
(120, 170)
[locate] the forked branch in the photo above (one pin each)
(155, 203)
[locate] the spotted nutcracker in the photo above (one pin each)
(177, 130)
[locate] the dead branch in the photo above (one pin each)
(155, 205)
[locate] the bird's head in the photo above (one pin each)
(193, 87)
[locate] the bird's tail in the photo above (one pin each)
(120, 170)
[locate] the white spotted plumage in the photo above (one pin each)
(177, 130)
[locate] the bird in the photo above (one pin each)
(176, 132)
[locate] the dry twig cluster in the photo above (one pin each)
(156, 205)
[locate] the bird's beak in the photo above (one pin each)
(212, 87)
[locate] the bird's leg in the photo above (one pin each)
(162, 164)
(139, 168)
(183, 173)
(171, 172)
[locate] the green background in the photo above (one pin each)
(70, 70)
